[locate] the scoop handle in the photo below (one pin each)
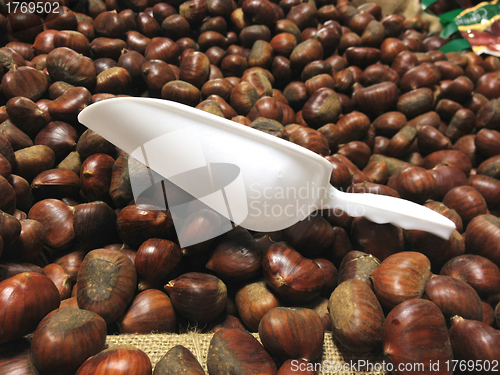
(383, 209)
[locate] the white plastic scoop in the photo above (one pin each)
(258, 181)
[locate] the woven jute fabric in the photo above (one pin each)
(339, 360)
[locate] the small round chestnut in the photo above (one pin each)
(65, 338)
(119, 360)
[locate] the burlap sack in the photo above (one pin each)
(334, 355)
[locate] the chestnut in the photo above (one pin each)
(341, 177)
(454, 297)
(178, 359)
(253, 301)
(330, 273)
(377, 171)
(67, 106)
(489, 167)
(95, 175)
(15, 137)
(57, 219)
(489, 316)
(199, 297)
(106, 283)
(236, 256)
(306, 52)
(115, 80)
(120, 360)
(92, 143)
(356, 315)
(59, 136)
(376, 99)
(291, 275)
(71, 263)
(65, 338)
(467, 201)
(414, 183)
(472, 341)
(309, 138)
(25, 114)
(400, 277)
(415, 332)
(64, 64)
(295, 333)
(136, 41)
(60, 278)
(156, 259)
(424, 75)
(150, 311)
(137, 223)
(55, 183)
(379, 240)
(415, 102)
(182, 92)
(25, 299)
(401, 141)
(447, 178)
(480, 273)
(162, 49)
(8, 199)
(235, 350)
(425, 242)
(454, 158)
(31, 161)
(226, 321)
(94, 225)
(311, 236)
(24, 81)
(482, 235)
(72, 39)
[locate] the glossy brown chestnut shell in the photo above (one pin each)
(25, 299)
(472, 340)
(415, 332)
(137, 223)
(236, 256)
(302, 340)
(290, 274)
(400, 277)
(81, 330)
(57, 219)
(454, 297)
(198, 296)
(64, 64)
(477, 271)
(482, 237)
(156, 258)
(119, 360)
(59, 136)
(150, 311)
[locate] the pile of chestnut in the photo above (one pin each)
(80, 259)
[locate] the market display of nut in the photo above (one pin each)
(370, 92)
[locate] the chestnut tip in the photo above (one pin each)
(456, 319)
